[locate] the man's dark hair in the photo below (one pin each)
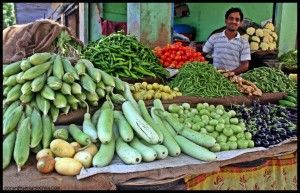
(233, 10)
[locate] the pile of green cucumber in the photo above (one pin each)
(290, 100)
(138, 135)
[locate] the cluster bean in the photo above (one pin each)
(201, 79)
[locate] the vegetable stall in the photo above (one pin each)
(78, 119)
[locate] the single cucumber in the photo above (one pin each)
(161, 150)
(148, 154)
(124, 127)
(79, 136)
(104, 125)
(150, 120)
(158, 104)
(127, 153)
(89, 128)
(192, 149)
(198, 138)
(139, 125)
(105, 154)
(128, 95)
(177, 126)
(169, 142)
(291, 99)
(286, 103)
(95, 117)
(169, 127)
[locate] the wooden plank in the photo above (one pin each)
(76, 117)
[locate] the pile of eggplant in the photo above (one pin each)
(269, 124)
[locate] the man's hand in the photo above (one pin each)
(242, 68)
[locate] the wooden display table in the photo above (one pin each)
(76, 117)
(30, 179)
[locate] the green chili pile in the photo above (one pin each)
(270, 80)
(202, 79)
(124, 56)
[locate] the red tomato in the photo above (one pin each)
(172, 66)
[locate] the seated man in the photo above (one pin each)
(229, 50)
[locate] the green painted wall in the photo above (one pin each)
(111, 11)
(115, 11)
(155, 26)
(287, 28)
(95, 28)
(206, 17)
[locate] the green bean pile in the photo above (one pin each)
(270, 80)
(123, 55)
(201, 79)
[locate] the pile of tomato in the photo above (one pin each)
(176, 55)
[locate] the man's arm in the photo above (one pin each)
(242, 68)
(208, 46)
(244, 58)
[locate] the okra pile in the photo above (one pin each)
(124, 56)
(40, 88)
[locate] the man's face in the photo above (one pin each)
(233, 21)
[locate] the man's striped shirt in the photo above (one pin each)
(227, 54)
